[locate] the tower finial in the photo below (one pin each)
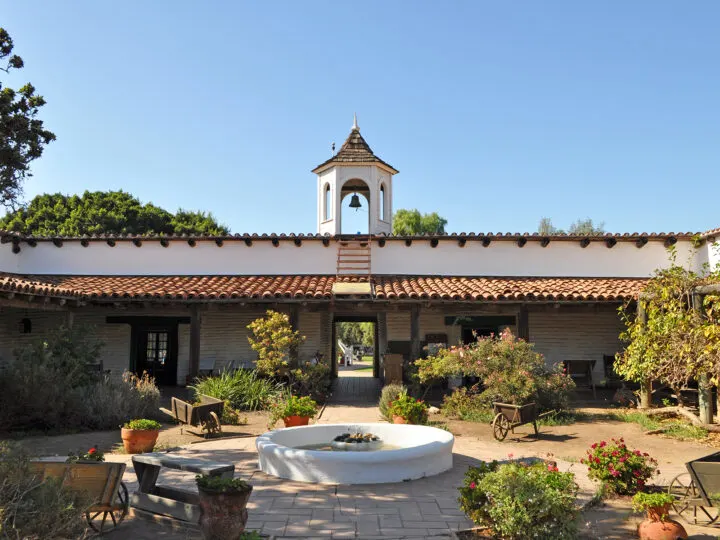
(355, 124)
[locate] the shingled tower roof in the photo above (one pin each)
(355, 150)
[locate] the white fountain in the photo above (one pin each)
(305, 454)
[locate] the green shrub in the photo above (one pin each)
(621, 470)
(142, 424)
(292, 406)
(414, 411)
(275, 341)
(519, 501)
(31, 508)
(222, 485)
(642, 502)
(389, 394)
(244, 389)
(466, 405)
(311, 380)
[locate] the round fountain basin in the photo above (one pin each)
(419, 451)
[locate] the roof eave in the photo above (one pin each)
(330, 164)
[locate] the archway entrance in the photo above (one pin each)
(355, 359)
(355, 207)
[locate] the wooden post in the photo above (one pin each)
(523, 326)
(705, 404)
(294, 323)
(194, 367)
(414, 333)
(381, 345)
(646, 385)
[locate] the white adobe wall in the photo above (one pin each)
(576, 336)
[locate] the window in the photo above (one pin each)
(382, 202)
(328, 203)
(157, 343)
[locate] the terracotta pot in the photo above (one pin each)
(137, 441)
(293, 421)
(224, 515)
(661, 530)
(399, 420)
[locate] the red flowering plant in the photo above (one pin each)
(91, 455)
(414, 411)
(620, 469)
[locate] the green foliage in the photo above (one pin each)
(24, 136)
(105, 212)
(244, 389)
(466, 405)
(142, 424)
(642, 502)
(251, 535)
(677, 429)
(519, 501)
(31, 508)
(218, 484)
(311, 380)
(414, 411)
(93, 454)
(586, 227)
(412, 222)
(546, 227)
(676, 342)
(48, 386)
(356, 333)
(622, 470)
(388, 394)
(510, 369)
(292, 406)
(273, 338)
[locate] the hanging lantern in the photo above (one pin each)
(355, 202)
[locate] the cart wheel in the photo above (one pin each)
(217, 427)
(689, 503)
(106, 520)
(501, 426)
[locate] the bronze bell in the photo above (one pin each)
(355, 202)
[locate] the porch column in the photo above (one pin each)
(381, 344)
(294, 316)
(523, 324)
(194, 366)
(414, 333)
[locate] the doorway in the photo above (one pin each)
(156, 353)
(355, 359)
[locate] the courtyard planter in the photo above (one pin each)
(399, 420)
(140, 436)
(223, 503)
(294, 421)
(293, 410)
(657, 526)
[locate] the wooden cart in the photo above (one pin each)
(697, 492)
(100, 480)
(205, 415)
(508, 417)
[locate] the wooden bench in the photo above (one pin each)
(170, 501)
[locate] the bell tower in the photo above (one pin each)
(356, 172)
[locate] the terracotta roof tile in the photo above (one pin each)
(355, 150)
(213, 288)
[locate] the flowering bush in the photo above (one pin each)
(389, 393)
(519, 501)
(414, 411)
(510, 369)
(292, 406)
(622, 470)
(91, 455)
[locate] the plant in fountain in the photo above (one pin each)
(517, 501)
(273, 338)
(293, 410)
(223, 502)
(408, 410)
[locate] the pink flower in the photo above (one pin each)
(472, 485)
(603, 444)
(510, 456)
(552, 468)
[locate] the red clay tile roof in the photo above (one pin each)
(355, 150)
(214, 288)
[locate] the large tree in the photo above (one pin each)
(105, 212)
(581, 227)
(411, 222)
(22, 135)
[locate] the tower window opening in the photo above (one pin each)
(328, 203)
(382, 203)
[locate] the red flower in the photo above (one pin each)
(603, 444)
(594, 445)
(472, 485)
(92, 451)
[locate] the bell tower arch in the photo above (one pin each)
(354, 171)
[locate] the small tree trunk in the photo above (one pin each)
(646, 394)
(705, 404)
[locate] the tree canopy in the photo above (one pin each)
(353, 333)
(22, 136)
(105, 212)
(412, 222)
(581, 227)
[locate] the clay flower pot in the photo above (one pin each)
(293, 421)
(224, 515)
(399, 420)
(138, 441)
(653, 528)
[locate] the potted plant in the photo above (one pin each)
(223, 503)
(658, 525)
(408, 410)
(140, 435)
(294, 411)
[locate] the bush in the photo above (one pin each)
(244, 389)
(311, 380)
(519, 501)
(31, 508)
(466, 405)
(48, 386)
(142, 424)
(389, 394)
(292, 406)
(273, 338)
(621, 470)
(642, 502)
(414, 411)
(222, 485)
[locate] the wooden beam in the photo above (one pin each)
(585, 242)
(194, 341)
(414, 333)
(544, 242)
(18, 302)
(521, 241)
(486, 241)
(523, 326)
(610, 242)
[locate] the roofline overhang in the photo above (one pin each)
(330, 164)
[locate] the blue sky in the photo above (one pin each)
(496, 114)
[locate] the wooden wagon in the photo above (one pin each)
(101, 481)
(508, 417)
(697, 492)
(205, 415)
